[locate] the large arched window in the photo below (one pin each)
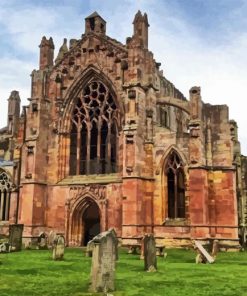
(93, 138)
(175, 187)
(5, 192)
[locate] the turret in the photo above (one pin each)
(196, 103)
(14, 102)
(46, 53)
(95, 23)
(141, 27)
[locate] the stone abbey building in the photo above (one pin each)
(107, 141)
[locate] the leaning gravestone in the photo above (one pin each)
(103, 262)
(58, 247)
(15, 236)
(202, 256)
(150, 261)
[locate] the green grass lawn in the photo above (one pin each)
(32, 272)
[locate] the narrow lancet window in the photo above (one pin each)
(175, 187)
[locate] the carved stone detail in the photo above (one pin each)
(98, 192)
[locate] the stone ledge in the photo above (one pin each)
(91, 179)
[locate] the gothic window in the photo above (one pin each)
(175, 187)
(5, 192)
(93, 138)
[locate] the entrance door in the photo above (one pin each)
(91, 222)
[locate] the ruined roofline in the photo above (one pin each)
(176, 92)
(78, 42)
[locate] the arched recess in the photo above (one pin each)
(5, 195)
(92, 115)
(85, 221)
(174, 186)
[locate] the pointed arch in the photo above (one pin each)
(85, 220)
(164, 158)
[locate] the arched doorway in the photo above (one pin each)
(91, 222)
(86, 218)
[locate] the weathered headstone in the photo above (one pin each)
(58, 247)
(202, 255)
(103, 262)
(42, 241)
(15, 236)
(215, 248)
(150, 261)
(50, 239)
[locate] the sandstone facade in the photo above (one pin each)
(107, 141)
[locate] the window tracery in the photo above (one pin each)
(5, 192)
(93, 138)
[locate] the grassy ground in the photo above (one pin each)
(33, 273)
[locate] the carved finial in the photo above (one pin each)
(14, 95)
(137, 17)
(51, 43)
(141, 28)
(62, 51)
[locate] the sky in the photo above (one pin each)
(198, 43)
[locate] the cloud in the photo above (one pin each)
(198, 42)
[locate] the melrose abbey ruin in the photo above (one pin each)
(107, 141)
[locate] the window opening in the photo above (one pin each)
(176, 187)
(5, 194)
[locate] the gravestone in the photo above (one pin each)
(202, 255)
(15, 236)
(42, 241)
(150, 261)
(103, 262)
(58, 247)
(90, 244)
(215, 248)
(50, 239)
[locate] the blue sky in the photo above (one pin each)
(198, 42)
